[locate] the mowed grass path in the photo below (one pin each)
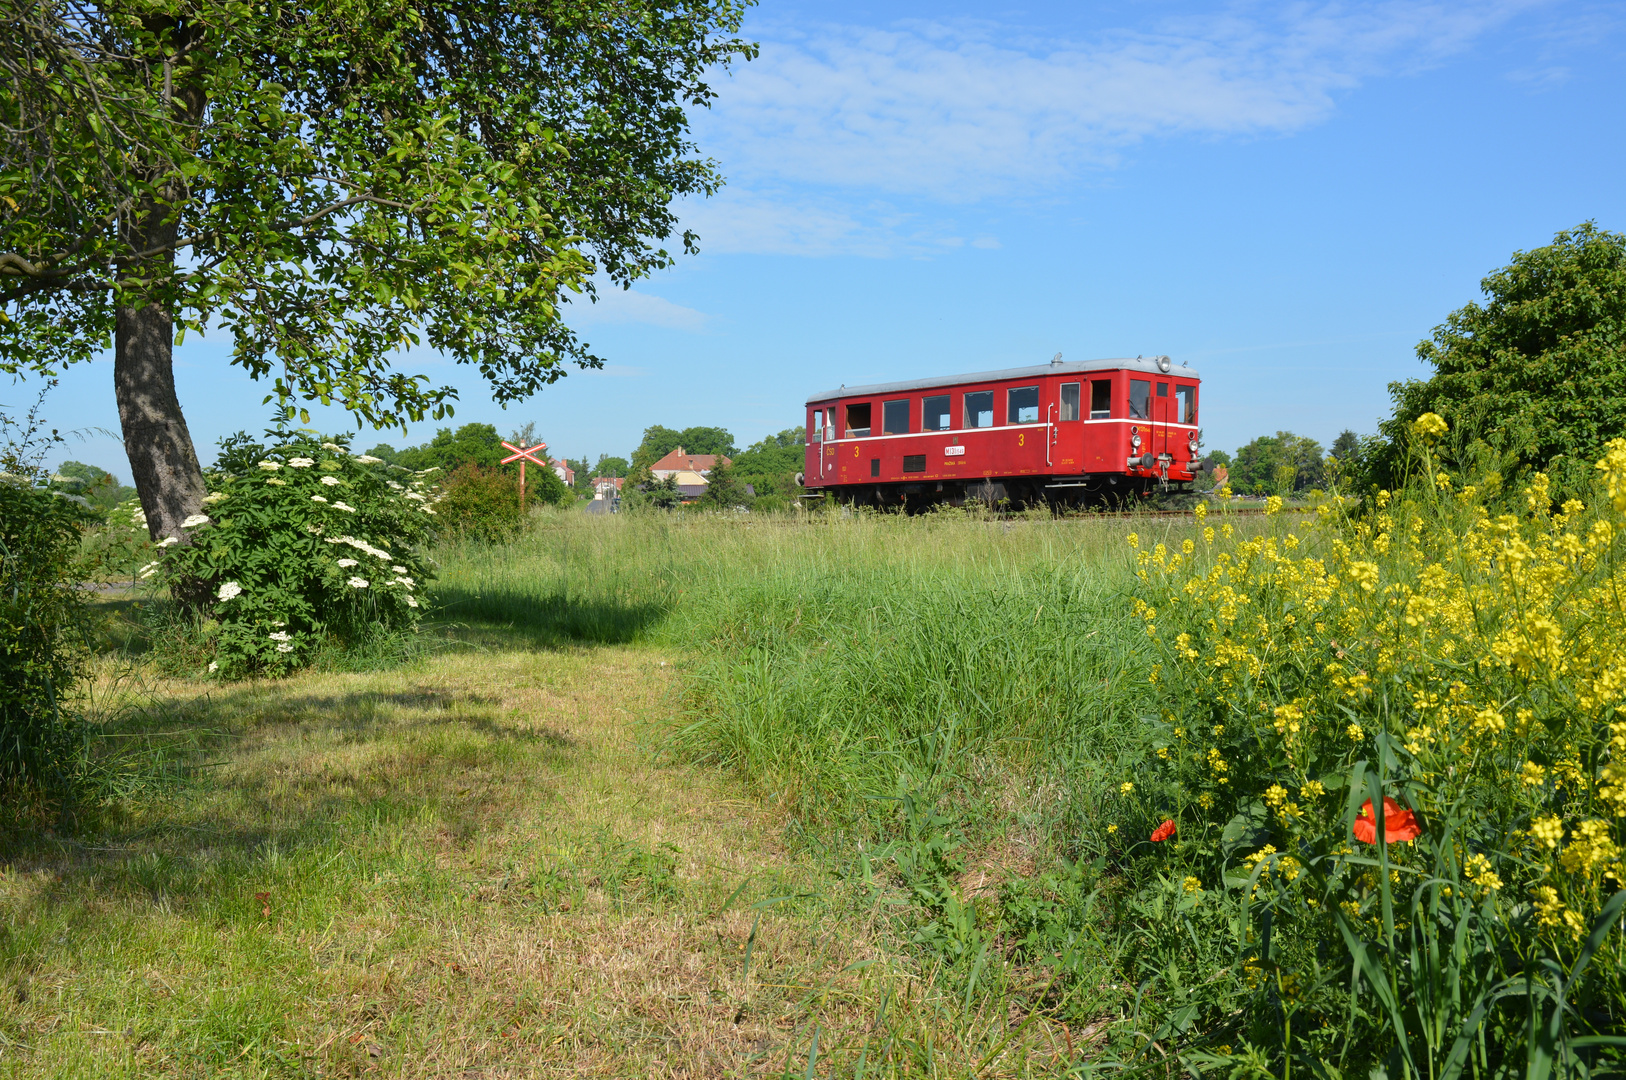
(471, 867)
(478, 866)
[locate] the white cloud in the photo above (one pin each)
(618, 305)
(954, 113)
(832, 128)
(783, 222)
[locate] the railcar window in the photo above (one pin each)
(1185, 403)
(1140, 399)
(935, 415)
(895, 417)
(858, 421)
(979, 409)
(1069, 401)
(1162, 389)
(818, 425)
(1101, 399)
(1022, 405)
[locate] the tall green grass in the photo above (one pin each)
(840, 661)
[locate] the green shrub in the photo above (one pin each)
(299, 548)
(42, 623)
(483, 503)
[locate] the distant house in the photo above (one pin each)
(608, 487)
(690, 484)
(699, 465)
(1221, 475)
(565, 473)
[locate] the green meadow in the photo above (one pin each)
(685, 796)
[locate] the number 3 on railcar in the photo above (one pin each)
(1101, 431)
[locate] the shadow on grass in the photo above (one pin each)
(550, 621)
(307, 776)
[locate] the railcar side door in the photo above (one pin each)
(1067, 436)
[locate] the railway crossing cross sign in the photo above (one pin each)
(522, 454)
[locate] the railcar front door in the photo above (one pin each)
(1163, 415)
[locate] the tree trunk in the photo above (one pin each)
(163, 462)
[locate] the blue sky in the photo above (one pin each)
(1287, 197)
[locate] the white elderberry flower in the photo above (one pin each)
(368, 459)
(399, 569)
(357, 583)
(331, 481)
(279, 635)
(318, 498)
(335, 447)
(414, 495)
(301, 462)
(412, 601)
(228, 591)
(138, 517)
(285, 647)
(394, 486)
(194, 520)
(214, 497)
(168, 540)
(346, 507)
(278, 483)
(270, 466)
(347, 563)
(408, 582)
(214, 665)
(279, 624)
(146, 571)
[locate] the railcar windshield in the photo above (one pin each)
(818, 425)
(1185, 403)
(1022, 405)
(1140, 399)
(935, 415)
(979, 409)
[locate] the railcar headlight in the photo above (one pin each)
(1191, 441)
(1134, 440)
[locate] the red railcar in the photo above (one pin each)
(1062, 432)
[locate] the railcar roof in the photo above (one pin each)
(1066, 367)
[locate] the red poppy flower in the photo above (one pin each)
(1163, 831)
(1399, 825)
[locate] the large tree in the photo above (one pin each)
(1536, 374)
(659, 441)
(330, 183)
(1280, 464)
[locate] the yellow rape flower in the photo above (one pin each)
(1430, 425)
(1192, 886)
(1125, 788)
(1479, 871)
(1548, 830)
